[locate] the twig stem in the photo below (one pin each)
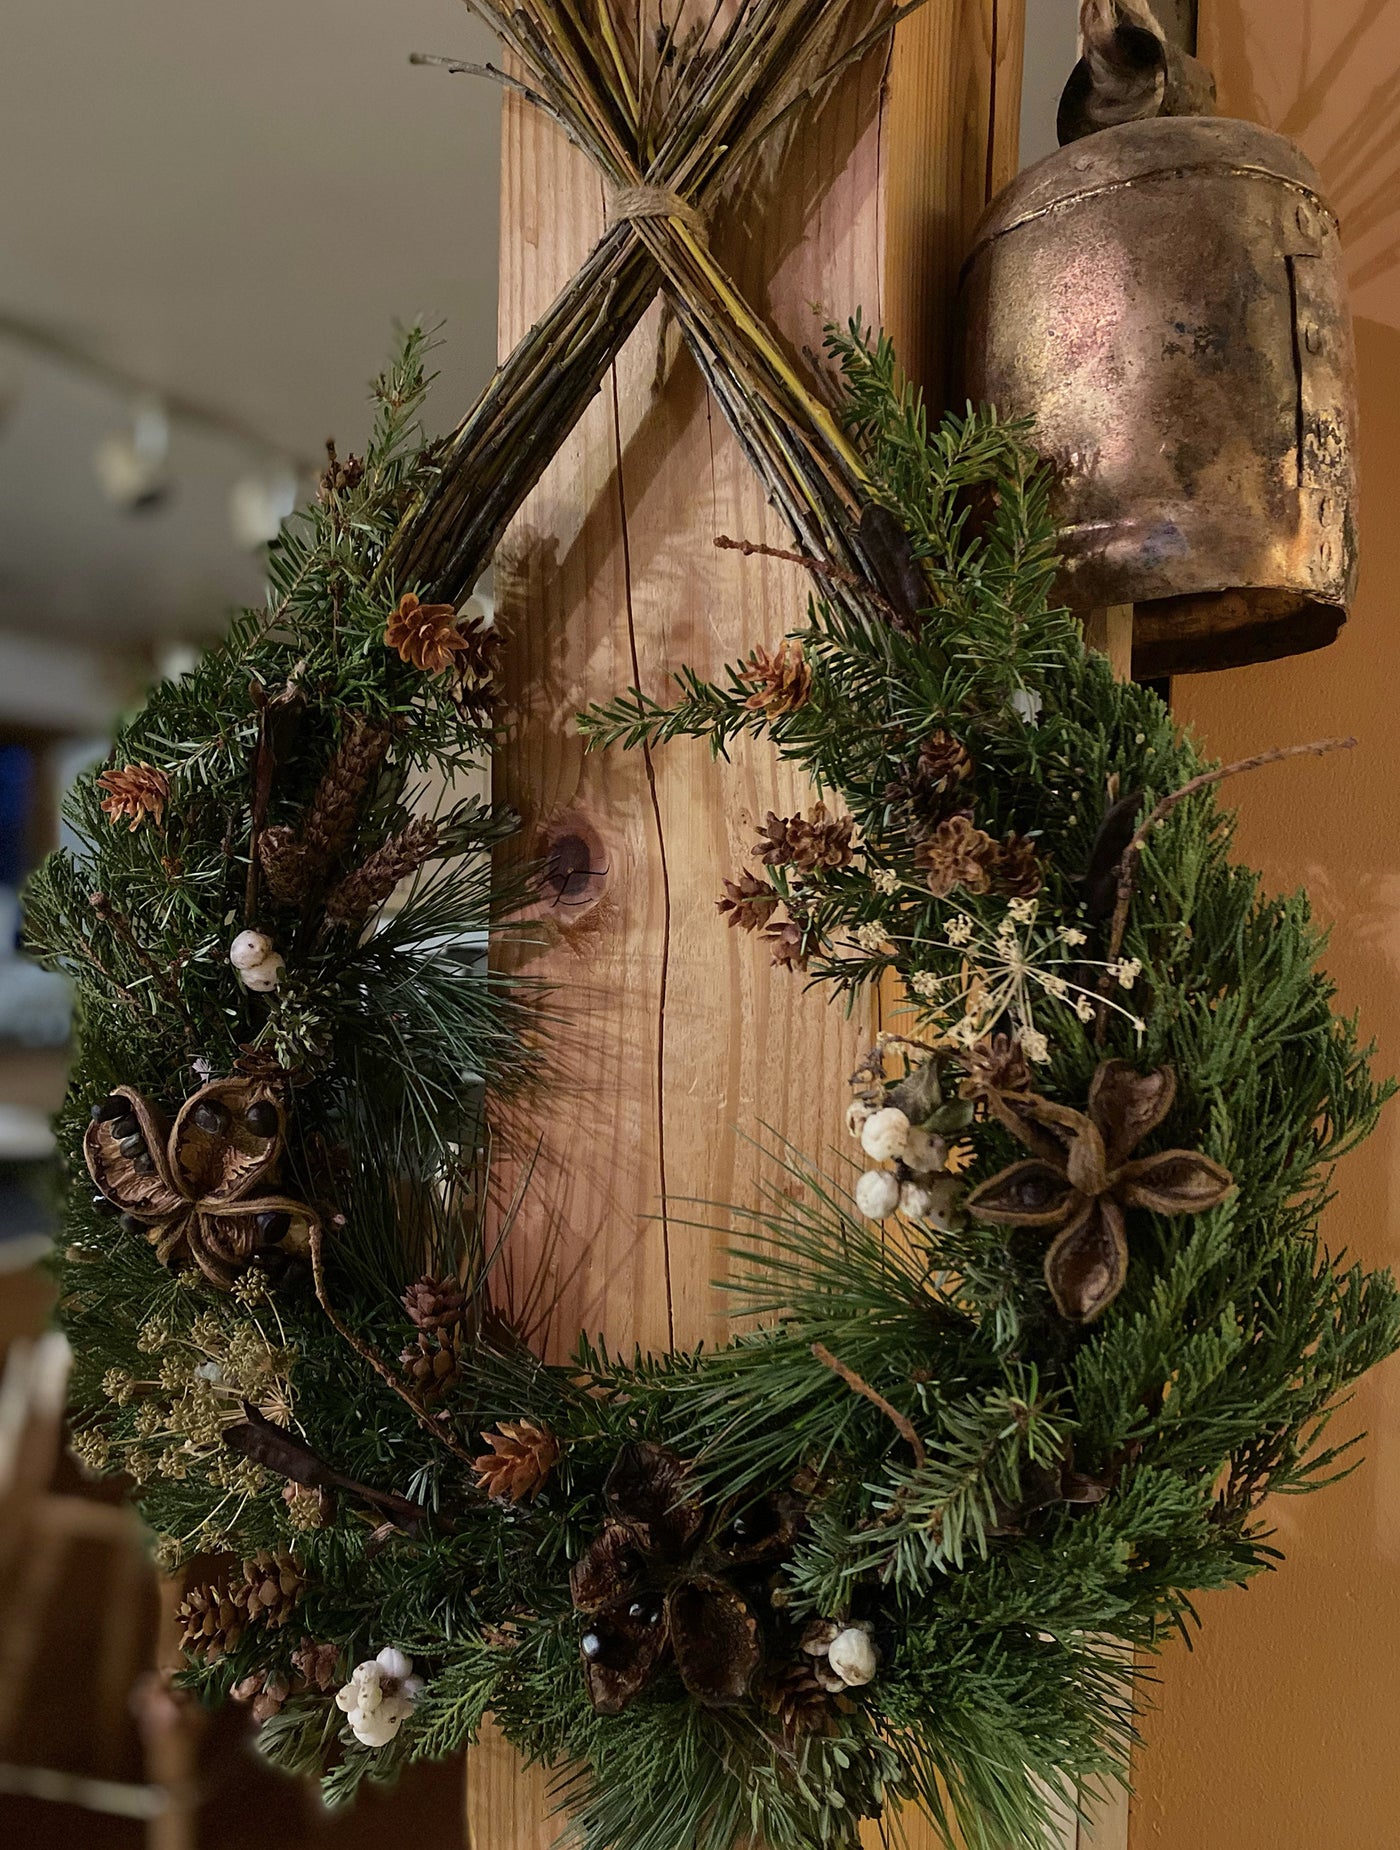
(858, 1385)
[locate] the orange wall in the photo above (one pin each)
(1281, 1731)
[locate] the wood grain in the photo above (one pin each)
(676, 1041)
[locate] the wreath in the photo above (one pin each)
(1004, 1396)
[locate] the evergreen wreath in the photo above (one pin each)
(1011, 1399)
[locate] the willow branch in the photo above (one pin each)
(1132, 854)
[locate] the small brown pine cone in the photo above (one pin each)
(474, 687)
(335, 810)
(824, 842)
(792, 1693)
(1016, 868)
(352, 899)
(286, 865)
(521, 1457)
(424, 635)
(133, 792)
(435, 1303)
(779, 683)
(210, 1622)
(338, 477)
(747, 901)
(995, 1064)
(943, 761)
(266, 1690)
(957, 854)
(431, 1365)
(318, 1665)
(272, 1585)
(784, 940)
(775, 840)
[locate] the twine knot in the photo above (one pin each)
(629, 203)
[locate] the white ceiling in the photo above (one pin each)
(235, 203)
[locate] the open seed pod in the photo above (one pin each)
(206, 1190)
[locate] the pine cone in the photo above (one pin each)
(810, 844)
(435, 1303)
(793, 1694)
(958, 854)
(784, 939)
(335, 810)
(338, 477)
(286, 865)
(474, 667)
(521, 1457)
(943, 762)
(779, 683)
(747, 902)
(210, 1622)
(1016, 869)
(272, 1586)
(352, 899)
(996, 1064)
(424, 635)
(266, 1690)
(317, 1664)
(134, 792)
(431, 1365)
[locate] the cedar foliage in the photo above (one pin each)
(1206, 1386)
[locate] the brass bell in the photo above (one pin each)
(1164, 300)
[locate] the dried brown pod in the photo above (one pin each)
(205, 1189)
(1080, 1181)
(668, 1578)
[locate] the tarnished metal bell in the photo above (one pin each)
(1165, 300)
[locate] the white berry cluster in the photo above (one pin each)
(256, 959)
(379, 1697)
(917, 1185)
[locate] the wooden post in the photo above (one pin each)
(678, 1041)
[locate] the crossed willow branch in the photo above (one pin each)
(676, 119)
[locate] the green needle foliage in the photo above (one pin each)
(1006, 1503)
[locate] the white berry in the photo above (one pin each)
(925, 1153)
(877, 1193)
(249, 949)
(852, 1656)
(265, 976)
(933, 1200)
(884, 1134)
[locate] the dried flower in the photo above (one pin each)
(424, 635)
(134, 791)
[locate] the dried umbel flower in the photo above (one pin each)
(134, 791)
(748, 902)
(521, 1457)
(424, 635)
(779, 683)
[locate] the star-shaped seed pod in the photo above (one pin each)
(1080, 1181)
(204, 1188)
(668, 1577)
